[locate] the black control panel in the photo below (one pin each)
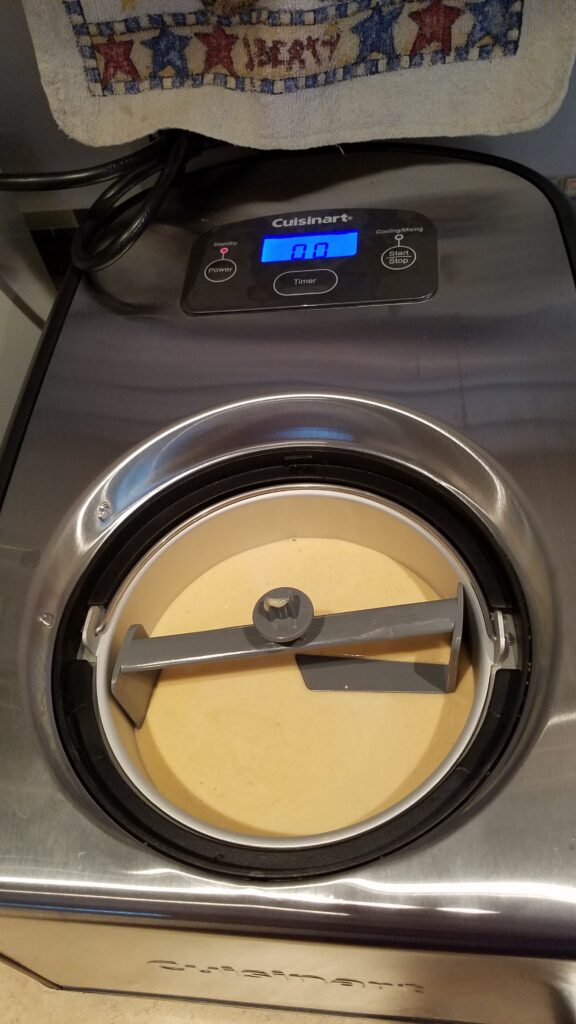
(313, 258)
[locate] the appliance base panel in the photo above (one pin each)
(318, 978)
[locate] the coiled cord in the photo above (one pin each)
(102, 237)
(99, 241)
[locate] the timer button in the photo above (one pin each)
(220, 270)
(305, 282)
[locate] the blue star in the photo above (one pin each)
(491, 18)
(376, 34)
(168, 51)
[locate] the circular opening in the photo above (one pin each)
(244, 751)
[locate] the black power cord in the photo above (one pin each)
(101, 239)
(50, 181)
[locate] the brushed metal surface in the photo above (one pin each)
(492, 357)
(403, 986)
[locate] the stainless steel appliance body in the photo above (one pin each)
(474, 388)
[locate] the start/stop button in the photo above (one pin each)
(399, 256)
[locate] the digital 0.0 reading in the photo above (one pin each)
(289, 248)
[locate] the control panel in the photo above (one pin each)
(313, 258)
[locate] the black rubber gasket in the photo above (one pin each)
(73, 683)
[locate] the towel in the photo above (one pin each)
(299, 73)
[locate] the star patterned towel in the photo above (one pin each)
(299, 73)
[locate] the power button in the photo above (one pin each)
(220, 270)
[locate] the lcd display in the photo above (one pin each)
(290, 248)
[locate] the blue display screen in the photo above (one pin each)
(289, 248)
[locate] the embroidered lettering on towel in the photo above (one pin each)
(273, 50)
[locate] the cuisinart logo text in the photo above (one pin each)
(223, 970)
(302, 222)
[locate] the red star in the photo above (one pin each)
(116, 58)
(218, 49)
(434, 26)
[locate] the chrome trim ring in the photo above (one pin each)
(274, 424)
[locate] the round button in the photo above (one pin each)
(220, 270)
(398, 257)
(305, 282)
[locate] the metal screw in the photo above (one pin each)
(104, 511)
(46, 619)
